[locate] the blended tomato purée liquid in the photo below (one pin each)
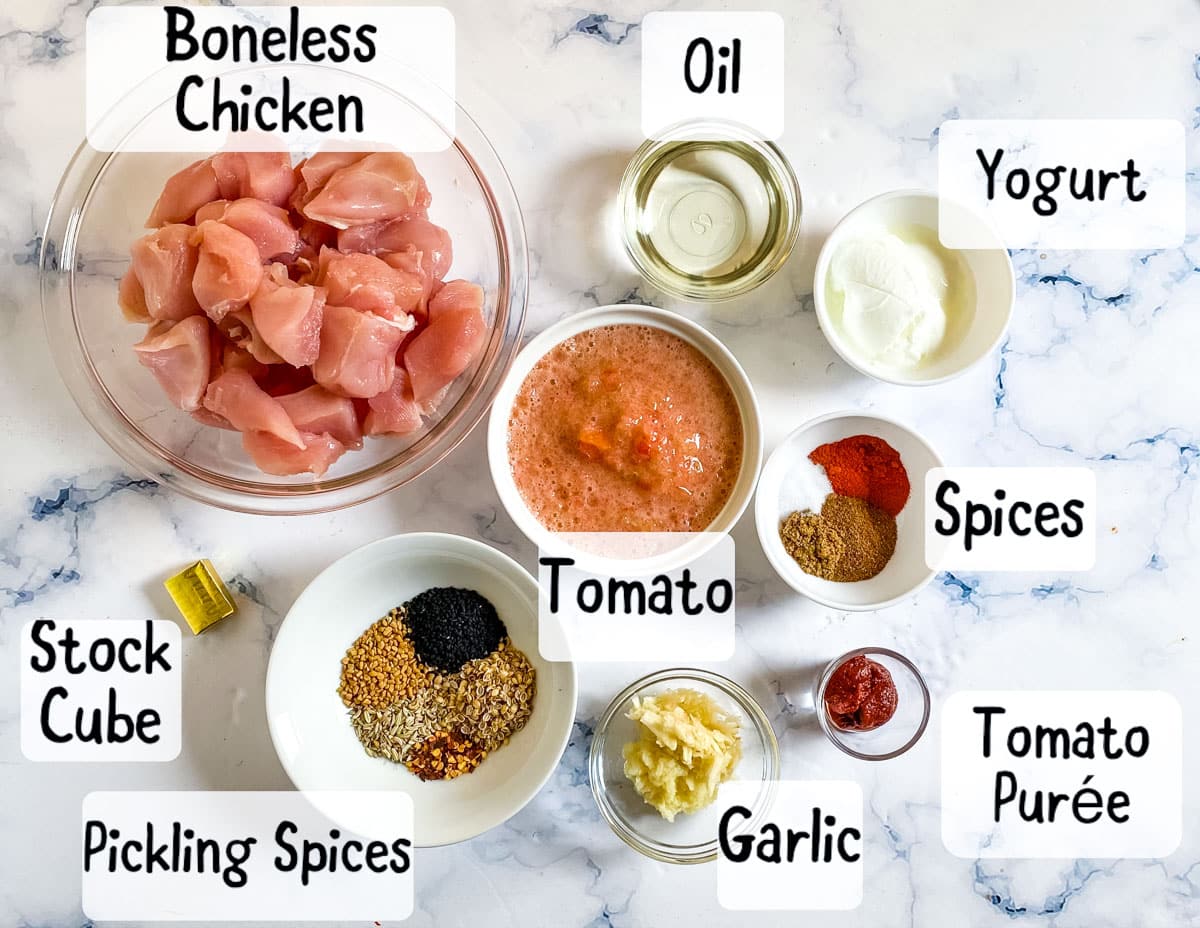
(625, 428)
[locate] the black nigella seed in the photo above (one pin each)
(449, 626)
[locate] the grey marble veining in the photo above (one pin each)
(1098, 369)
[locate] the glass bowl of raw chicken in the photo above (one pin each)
(278, 332)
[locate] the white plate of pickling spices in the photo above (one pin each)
(488, 734)
(879, 533)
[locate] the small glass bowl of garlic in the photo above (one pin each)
(691, 837)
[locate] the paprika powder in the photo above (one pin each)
(865, 467)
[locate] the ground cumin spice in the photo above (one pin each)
(849, 540)
(812, 542)
(865, 467)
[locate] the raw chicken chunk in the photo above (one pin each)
(269, 227)
(421, 235)
(287, 316)
(382, 186)
(234, 358)
(317, 410)
(393, 412)
(409, 261)
(315, 171)
(184, 193)
(370, 284)
(179, 355)
(265, 175)
(212, 211)
(237, 398)
(165, 261)
(447, 345)
(132, 298)
(238, 326)
(316, 236)
(211, 419)
(228, 269)
(275, 456)
(358, 352)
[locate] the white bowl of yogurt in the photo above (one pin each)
(900, 307)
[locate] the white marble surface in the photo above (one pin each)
(1097, 371)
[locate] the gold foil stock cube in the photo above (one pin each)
(200, 595)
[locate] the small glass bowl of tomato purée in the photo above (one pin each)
(872, 703)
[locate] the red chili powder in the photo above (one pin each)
(866, 467)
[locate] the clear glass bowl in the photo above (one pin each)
(98, 211)
(708, 211)
(897, 734)
(690, 839)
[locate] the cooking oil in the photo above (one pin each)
(709, 218)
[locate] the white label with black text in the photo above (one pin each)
(636, 596)
(1061, 183)
(1010, 518)
(803, 851)
(1062, 774)
(101, 690)
(252, 856)
(714, 65)
(191, 78)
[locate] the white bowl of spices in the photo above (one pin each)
(840, 511)
(412, 664)
(900, 307)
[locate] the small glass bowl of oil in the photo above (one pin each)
(708, 211)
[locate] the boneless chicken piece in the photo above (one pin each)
(228, 269)
(164, 262)
(179, 355)
(315, 171)
(316, 410)
(409, 261)
(382, 186)
(212, 211)
(132, 299)
(358, 352)
(184, 193)
(211, 419)
(238, 326)
(269, 227)
(287, 316)
(264, 175)
(272, 455)
(419, 235)
(443, 349)
(395, 411)
(370, 284)
(315, 237)
(240, 401)
(233, 358)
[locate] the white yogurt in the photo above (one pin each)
(896, 295)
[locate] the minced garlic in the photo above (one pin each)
(687, 747)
